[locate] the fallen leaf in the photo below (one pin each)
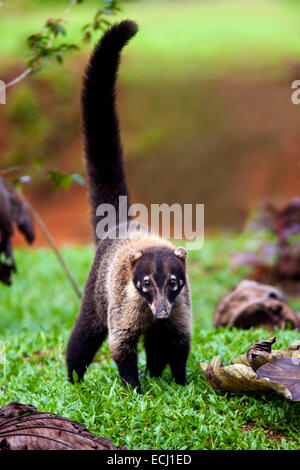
(258, 348)
(22, 427)
(235, 378)
(258, 370)
(283, 376)
(260, 353)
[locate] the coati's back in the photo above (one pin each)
(137, 285)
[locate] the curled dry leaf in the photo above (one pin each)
(22, 427)
(236, 378)
(278, 261)
(251, 304)
(259, 370)
(260, 353)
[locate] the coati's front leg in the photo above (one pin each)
(123, 348)
(87, 336)
(165, 344)
(157, 349)
(178, 355)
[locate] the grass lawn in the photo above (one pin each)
(37, 313)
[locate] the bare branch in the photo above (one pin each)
(12, 169)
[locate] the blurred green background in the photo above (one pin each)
(204, 100)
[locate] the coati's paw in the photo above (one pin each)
(130, 387)
(181, 382)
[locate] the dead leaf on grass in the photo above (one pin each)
(22, 427)
(259, 370)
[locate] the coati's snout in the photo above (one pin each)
(158, 276)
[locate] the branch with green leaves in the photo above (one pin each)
(44, 46)
(58, 179)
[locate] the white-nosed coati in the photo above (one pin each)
(137, 286)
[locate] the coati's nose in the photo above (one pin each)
(162, 314)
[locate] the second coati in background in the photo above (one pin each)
(137, 286)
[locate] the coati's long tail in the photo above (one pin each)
(103, 150)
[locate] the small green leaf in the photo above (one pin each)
(86, 26)
(59, 180)
(16, 183)
(87, 36)
(38, 162)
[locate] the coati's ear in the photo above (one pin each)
(134, 255)
(180, 252)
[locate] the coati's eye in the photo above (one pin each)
(173, 282)
(272, 295)
(146, 282)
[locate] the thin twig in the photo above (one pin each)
(11, 169)
(19, 78)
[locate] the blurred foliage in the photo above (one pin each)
(28, 126)
(62, 180)
(278, 256)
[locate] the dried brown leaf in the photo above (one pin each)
(236, 378)
(293, 350)
(22, 427)
(283, 376)
(277, 371)
(260, 353)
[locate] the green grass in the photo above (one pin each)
(37, 314)
(179, 38)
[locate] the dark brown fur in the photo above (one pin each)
(12, 211)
